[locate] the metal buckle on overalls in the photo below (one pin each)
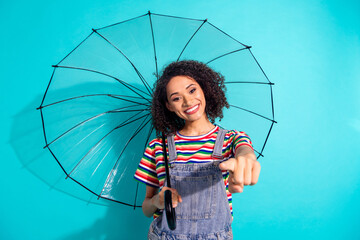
(171, 164)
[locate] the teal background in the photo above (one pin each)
(310, 181)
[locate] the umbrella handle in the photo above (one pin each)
(170, 211)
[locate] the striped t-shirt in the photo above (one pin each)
(190, 149)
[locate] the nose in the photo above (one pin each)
(186, 101)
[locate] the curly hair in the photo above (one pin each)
(211, 82)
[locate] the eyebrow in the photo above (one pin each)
(185, 88)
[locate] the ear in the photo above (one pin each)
(168, 106)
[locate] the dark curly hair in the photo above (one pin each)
(211, 82)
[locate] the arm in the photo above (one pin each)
(247, 169)
(148, 207)
(154, 200)
(244, 169)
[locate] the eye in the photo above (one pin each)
(193, 90)
(175, 99)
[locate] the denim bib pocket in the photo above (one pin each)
(197, 193)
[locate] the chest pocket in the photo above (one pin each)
(198, 195)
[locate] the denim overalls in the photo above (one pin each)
(204, 212)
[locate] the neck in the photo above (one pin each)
(196, 128)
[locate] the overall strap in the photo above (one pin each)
(172, 148)
(219, 143)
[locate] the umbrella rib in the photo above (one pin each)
(126, 96)
(153, 39)
(146, 142)
(121, 125)
(148, 137)
(43, 125)
(92, 95)
(111, 25)
(47, 88)
(272, 124)
(137, 187)
(75, 48)
(127, 100)
(229, 35)
(272, 103)
(163, 15)
(249, 82)
(82, 184)
(252, 113)
(141, 126)
(259, 65)
(147, 86)
(260, 154)
(125, 84)
(202, 24)
(225, 54)
(57, 160)
(90, 119)
(98, 195)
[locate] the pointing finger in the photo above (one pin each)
(228, 165)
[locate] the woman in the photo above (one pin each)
(207, 163)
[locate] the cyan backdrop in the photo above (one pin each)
(309, 184)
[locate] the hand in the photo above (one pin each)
(158, 199)
(244, 169)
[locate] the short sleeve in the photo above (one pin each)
(146, 171)
(239, 139)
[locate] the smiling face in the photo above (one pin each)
(186, 99)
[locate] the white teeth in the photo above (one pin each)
(192, 109)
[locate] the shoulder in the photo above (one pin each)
(155, 142)
(233, 133)
(235, 136)
(154, 146)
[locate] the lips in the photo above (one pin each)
(192, 109)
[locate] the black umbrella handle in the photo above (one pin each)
(169, 210)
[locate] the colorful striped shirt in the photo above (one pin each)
(190, 149)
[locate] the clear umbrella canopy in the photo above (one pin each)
(96, 109)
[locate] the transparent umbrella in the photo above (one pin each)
(96, 109)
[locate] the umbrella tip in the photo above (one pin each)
(149, 12)
(94, 30)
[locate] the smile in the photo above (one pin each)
(192, 110)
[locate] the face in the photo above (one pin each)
(186, 98)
